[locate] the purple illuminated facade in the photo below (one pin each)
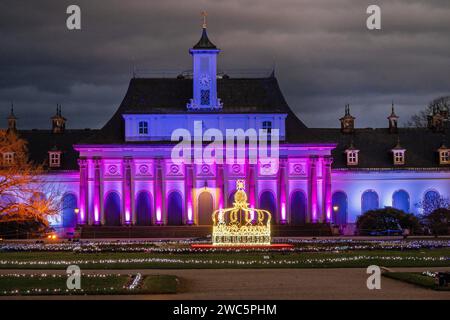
(123, 174)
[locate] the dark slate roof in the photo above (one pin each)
(170, 96)
(204, 42)
(39, 142)
(263, 95)
(375, 146)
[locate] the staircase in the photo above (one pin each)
(123, 232)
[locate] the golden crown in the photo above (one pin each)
(241, 225)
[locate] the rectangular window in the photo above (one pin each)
(399, 157)
(143, 127)
(352, 158)
(445, 157)
(267, 125)
(204, 97)
(8, 158)
(54, 159)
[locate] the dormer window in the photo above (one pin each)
(444, 157)
(54, 159)
(398, 154)
(352, 156)
(143, 127)
(267, 125)
(8, 158)
(399, 157)
(444, 154)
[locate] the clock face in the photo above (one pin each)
(204, 80)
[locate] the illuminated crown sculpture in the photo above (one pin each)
(241, 225)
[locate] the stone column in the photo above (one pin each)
(159, 209)
(312, 190)
(188, 190)
(326, 189)
(98, 197)
(220, 186)
(282, 191)
(83, 214)
(127, 217)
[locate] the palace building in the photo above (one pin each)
(123, 173)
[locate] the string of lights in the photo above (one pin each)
(235, 262)
(304, 245)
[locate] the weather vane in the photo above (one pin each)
(204, 15)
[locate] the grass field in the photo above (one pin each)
(134, 260)
(109, 284)
(416, 279)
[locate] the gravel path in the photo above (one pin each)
(281, 284)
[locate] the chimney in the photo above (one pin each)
(347, 121)
(12, 120)
(58, 121)
(393, 121)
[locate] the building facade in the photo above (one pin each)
(124, 173)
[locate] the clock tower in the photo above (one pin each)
(204, 56)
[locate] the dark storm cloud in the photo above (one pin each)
(323, 53)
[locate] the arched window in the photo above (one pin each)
(267, 202)
(69, 217)
(339, 207)
(205, 208)
(298, 208)
(143, 209)
(175, 209)
(369, 201)
(400, 200)
(112, 209)
(143, 127)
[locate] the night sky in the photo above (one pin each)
(323, 54)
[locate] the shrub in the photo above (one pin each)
(438, 221)
(386, 219)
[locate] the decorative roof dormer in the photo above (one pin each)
(8, 158)
(393, 121)
(12, 120)
(352, 155)
(204, 56)
(347, 121)
(398, 154)
(437, 119)
(54, 158)
(444, 154)
(58, 121)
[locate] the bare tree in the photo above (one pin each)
(430, 204)
(420, 120)
(25, 194)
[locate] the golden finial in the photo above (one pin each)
(204, 15)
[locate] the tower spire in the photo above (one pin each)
(393, 120)
(204, 15)
(204, 42)
(12, 120)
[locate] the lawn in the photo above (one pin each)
(44, 284)
(416, 279)
(231, 259)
